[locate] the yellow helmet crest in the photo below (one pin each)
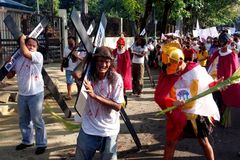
(172, 53)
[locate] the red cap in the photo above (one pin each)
(121, 41)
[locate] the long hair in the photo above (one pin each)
(93, 74)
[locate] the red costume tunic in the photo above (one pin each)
(227, 65)
(124, 67)
(192, 78)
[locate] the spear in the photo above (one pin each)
(234, 79)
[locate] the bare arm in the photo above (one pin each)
(75, 53)
(141, 54)
(24, 50)
(11, 74)
(107, 102)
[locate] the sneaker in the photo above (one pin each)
(23, 146)
(40, 150)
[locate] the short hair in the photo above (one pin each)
(34, 39)
(72, 37)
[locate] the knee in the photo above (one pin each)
(76, 74)
(204, 142)
(171, 143)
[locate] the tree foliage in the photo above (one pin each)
(208, 12)
(45, 6)
(130, 9)
(220, 12)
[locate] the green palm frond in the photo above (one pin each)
(234, 79)
(70, 126)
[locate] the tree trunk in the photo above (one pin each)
(147, 14)
(167, 7)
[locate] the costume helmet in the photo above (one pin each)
(171, 55)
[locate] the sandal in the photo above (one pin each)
(68, 98)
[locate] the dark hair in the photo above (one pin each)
(142, 41)
(73, 38)
(111, 73)
(202, 46)
(223, 38)
(34, 39)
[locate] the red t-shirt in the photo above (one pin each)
(188, 53)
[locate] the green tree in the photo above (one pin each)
(45, 6)
(130, 9)
(209, 12)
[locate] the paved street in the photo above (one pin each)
(142, 113)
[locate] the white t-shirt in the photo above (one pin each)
(138, 49)
(99, 119)
(72, 65)
(29, 74)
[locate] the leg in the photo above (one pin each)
(137, 74)
(109, 148)
(69, 90)
(36, 107)
(134, 78)
(25, 123)
(141, 78)
(70, 81)
(77, 75)
(86, 146)
(169, 149)
(207, 148)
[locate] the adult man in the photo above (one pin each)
(139, 51)
(30, 95)
(74, 57)
(177, 82)
(100, 120)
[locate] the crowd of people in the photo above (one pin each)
(190, 66)
(187, 66)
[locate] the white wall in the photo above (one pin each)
(63, 13)
(112, 41)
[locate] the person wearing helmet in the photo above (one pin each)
(100, 120)
(227, 65)
(178, 82)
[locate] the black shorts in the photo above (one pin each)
(204, 128)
